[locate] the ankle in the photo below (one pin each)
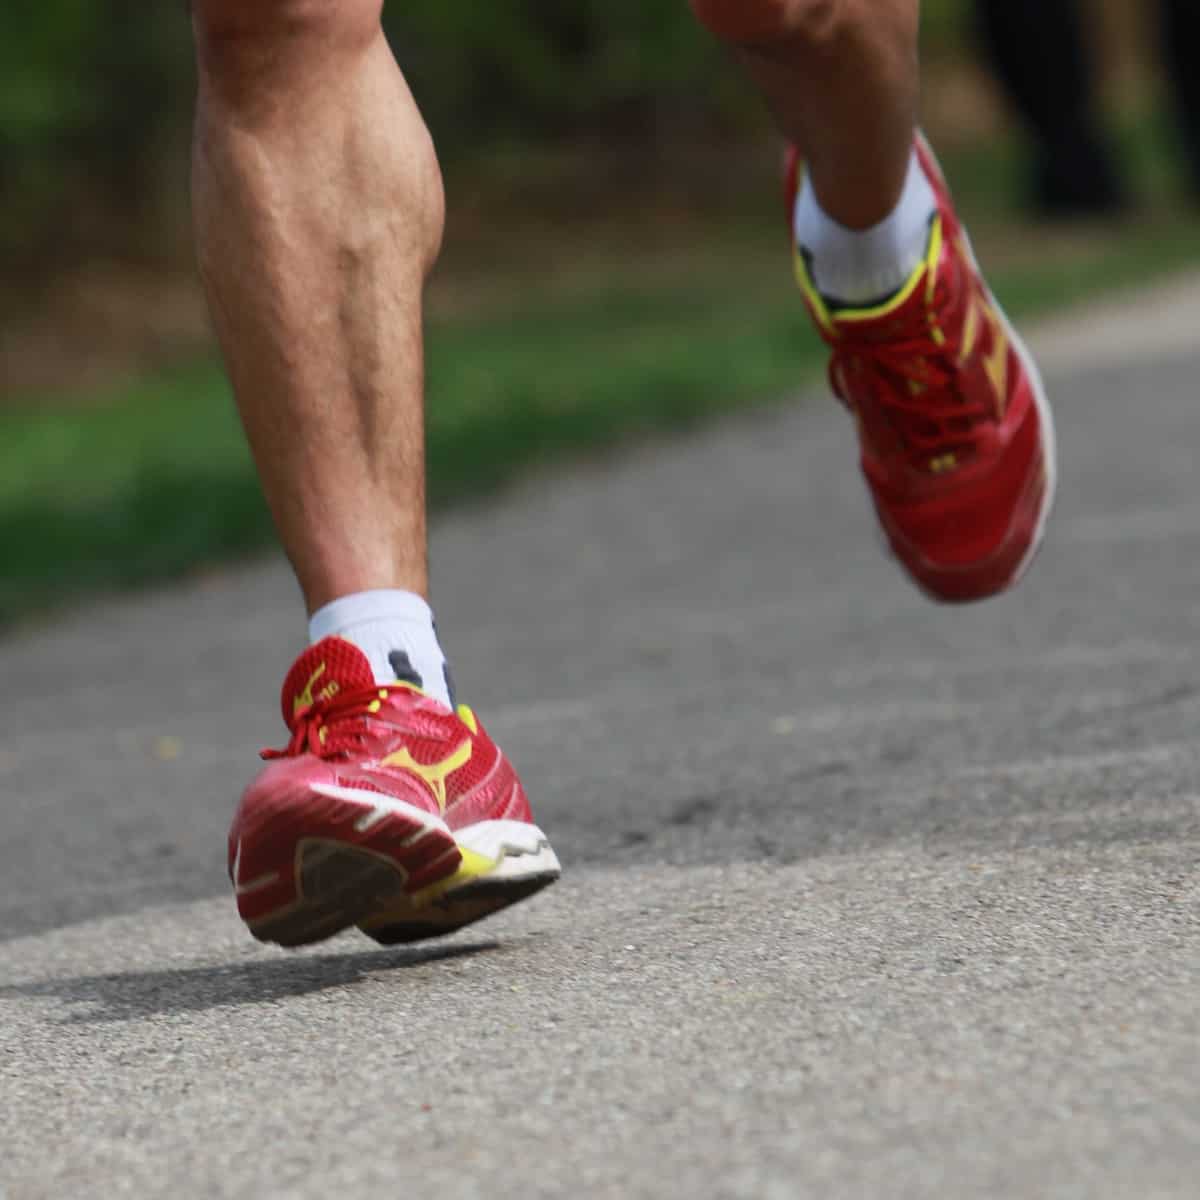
(859, 266)
(258, 47)
(762, 23)
(396, 631)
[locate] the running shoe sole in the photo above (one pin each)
(503, 862)
(328, 860)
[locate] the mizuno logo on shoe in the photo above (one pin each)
(433, 775)
(305, 699)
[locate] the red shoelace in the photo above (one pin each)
(936, 420)
(332, 728)
(341, 726)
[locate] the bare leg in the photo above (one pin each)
(319, 211)
(841, 78)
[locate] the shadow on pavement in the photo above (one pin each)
(131, 995)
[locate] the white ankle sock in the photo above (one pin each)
(857, 266)
(395, 630)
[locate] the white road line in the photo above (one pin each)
(1146, 323)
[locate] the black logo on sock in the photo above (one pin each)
(405, 671)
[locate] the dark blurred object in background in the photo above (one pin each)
(1040, 52)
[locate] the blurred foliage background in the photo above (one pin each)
(615, 261)
(95, 98)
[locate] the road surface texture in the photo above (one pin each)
(863, 897)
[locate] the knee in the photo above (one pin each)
(762, 22)
(337, 20)
(249, 39)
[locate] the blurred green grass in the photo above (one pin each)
(153, 480)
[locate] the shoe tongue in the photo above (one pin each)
(323, 671)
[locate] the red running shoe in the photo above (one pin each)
(956, 435)
(386, 810)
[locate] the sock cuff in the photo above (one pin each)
(858, 266)
(382, 604)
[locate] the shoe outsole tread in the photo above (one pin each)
(460, 908)
(340, 886)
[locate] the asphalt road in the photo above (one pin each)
(863, 898)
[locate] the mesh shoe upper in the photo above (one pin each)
(391, 739)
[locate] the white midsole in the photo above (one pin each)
(516, 847)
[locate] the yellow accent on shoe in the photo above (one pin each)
(816, 301)
(932, 256)
(304, 699)
(995, 364)
(926, 269)
(473, 866)
(970, 331)
(408, 687)
(433, 775)
(468, 718)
